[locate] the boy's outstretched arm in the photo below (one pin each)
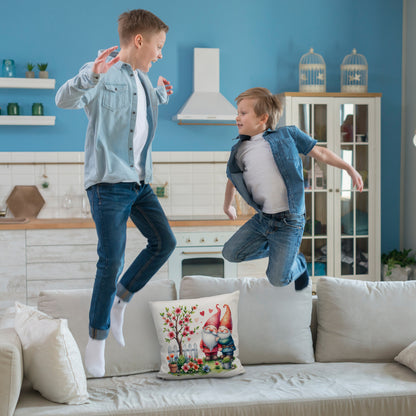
(78, 91)
(228, 199)
(330, 158)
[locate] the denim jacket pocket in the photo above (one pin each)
(115, 96)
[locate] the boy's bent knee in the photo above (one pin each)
(168, 245)
(279, 281)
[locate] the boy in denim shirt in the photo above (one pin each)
(121, 105)
(266, 169)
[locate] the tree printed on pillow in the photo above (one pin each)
(215, 351)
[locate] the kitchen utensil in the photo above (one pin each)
(25, 201)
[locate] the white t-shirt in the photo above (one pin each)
(142, 127)
(261, 175)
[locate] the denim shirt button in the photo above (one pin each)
(131, 131)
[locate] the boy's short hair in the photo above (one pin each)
(266, 103)
(138, 21)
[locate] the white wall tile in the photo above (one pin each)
(194, 184)
(5, 157)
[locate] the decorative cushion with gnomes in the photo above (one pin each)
(198, 337)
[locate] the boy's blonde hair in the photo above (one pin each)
(266, 103)
(138, 21)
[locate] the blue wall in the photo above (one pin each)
(260, 44)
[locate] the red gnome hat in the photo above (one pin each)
(226, 319)
(214, 320)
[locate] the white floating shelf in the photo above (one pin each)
(35, 83)
(27, 120)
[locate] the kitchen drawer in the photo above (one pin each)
(206, 238)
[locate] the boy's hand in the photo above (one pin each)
(166, 83)
(231, 212)
(101, 66)
(357, 180)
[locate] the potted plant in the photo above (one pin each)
(30, 73)
(43, 73)
(397, 265)
(172, 363)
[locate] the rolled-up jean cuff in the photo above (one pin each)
(99, 334)
(123, 293)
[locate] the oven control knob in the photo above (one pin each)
(202, 240)
(216, 239)
(188, 240)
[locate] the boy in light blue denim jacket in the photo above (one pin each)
(266, 169)
(121, 105)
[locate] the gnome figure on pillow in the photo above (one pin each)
(209, 341)
(225, 340)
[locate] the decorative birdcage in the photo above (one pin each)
(354, 73)
(312, 72)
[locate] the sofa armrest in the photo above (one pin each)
(11, 370)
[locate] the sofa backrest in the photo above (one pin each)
(141, 352)
(314, 319)
(273, 323)
(364, 321)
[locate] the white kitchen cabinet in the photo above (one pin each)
(342, 232)
(253, 268)
(27, 83)
(13, 268)
(40, 259)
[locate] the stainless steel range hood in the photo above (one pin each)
(206, 104)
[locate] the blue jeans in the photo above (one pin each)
(277, 236)
(111, 206)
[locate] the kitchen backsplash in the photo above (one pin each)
(195, 181)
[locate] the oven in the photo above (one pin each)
(199, 253)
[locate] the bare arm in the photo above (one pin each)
(330, 158)
(228, 199)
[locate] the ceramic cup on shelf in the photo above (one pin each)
(13, 109)
(9, 68)
(37, 109)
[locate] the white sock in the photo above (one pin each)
(117, 319)
(94, 357)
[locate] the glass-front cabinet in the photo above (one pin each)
(342, 231)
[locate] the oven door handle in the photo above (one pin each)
(200, 252)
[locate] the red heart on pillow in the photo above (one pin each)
(210, 310)
(202, 313)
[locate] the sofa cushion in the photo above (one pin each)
(274, 322)
(198, 337)
(364, 321)
(141, 352)
(318, 389)
(11, 370)
(51, 358)
(407, 357)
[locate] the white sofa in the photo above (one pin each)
(342, 365)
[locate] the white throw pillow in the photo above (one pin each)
(274, 322)
(141, 353)
(51, 358)
(364, 321)
(198, 337)
(407, 357)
